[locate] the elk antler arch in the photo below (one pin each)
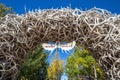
(96, 29)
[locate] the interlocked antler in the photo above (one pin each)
(96, 29)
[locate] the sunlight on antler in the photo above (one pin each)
(96, 29)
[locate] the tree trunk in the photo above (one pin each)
(95, 73)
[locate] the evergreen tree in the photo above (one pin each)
(5, 10)
(35, 67)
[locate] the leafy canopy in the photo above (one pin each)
(55, 70)
(82, 64)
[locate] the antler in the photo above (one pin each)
(96, 29)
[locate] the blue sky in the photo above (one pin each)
(18, 5)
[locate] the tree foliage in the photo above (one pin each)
(5, 10)
(35, 67)
(55, 70)
(81, 64)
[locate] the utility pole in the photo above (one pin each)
(57, 57)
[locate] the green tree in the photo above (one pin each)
(82, 64)
(5, 10)
(35, 67)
